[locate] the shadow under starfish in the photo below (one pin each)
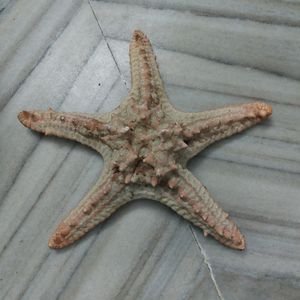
(146, 143)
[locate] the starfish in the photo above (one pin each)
(146, 143)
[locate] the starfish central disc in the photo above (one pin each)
(147, 146)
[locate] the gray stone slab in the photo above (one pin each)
(24, 41)
(268, 11)
(268, 269)
(166, 264)
(229, 40)
(53, 54)
(212, 76)
(264, 203)
(47, 86)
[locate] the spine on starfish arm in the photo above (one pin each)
(189, 198)
(211, 126)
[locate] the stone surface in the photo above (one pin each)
(55, 55)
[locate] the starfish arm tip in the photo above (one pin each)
(260, 109)
(239, 243)
(59, 238)
(138, 35)
(25, 117)
(52, 244)
(230, 237)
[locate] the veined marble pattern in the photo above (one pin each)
(73, 56)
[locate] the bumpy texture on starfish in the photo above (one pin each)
(146, 143)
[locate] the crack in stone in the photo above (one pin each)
(108, 46)
(206, 261)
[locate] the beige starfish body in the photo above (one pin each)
(146, 143)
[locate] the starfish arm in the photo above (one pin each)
(101, 202)
(88, 129)
(204, 128)
(189, 198)
(146, 82)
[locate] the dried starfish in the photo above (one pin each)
(146, 143)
